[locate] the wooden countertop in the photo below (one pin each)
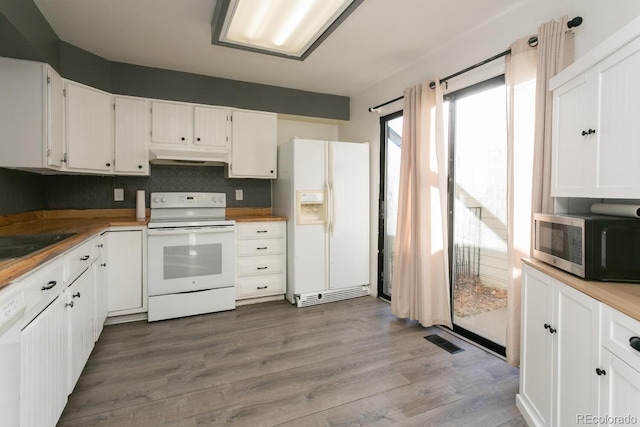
(624, 297)
(252, 215)
(85, 223)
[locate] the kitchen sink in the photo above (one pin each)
(23, 244)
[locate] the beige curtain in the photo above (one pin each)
(555, 52)
(520, 80)
(529, 109)
(421, 268)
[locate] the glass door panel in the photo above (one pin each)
(390, 150)
(478, 201)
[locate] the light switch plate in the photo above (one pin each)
(239, 195)
(118, 194)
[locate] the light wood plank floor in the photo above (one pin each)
(348, 363)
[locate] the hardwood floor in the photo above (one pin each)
(348, 363)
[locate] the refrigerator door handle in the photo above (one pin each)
(333, 209)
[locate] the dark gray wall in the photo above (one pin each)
(28, 34)
(25, 191)
(96, 192)
(20, 192)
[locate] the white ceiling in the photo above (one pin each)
(379, 38)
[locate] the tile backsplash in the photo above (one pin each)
(23, 191)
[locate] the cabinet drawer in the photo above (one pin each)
(256, 286)
(261, 230)
(80, 258)
(43, 286)
(260, 265)
(261, 247)
(617, 331)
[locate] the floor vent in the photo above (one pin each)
(322, 297)
(443, 343)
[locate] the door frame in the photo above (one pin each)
(452, 97)
(382, 199)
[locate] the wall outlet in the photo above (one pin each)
(239, 195)
(118, 194)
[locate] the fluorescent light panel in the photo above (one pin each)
(286, 27)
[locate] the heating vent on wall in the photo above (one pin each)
(321, 297)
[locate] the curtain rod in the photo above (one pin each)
(533, 41)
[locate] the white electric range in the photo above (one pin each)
(191, 255)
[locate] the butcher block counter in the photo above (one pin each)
(253, 215)
(84, 223)
(624, 297)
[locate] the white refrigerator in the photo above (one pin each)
(323, 189)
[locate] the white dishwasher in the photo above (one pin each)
(12, 307)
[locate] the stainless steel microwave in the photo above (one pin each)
(593, 247)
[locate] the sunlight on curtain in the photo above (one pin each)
(520, 78)
(421, 272)
(529, 150)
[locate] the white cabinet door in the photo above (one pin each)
(31, 115)
(131, 136)
(55, 119)
(254, 145)
(81, 308)
(102, 286)
(125, 270)
(171, 123)
(89, 129)
(536, 370)
(211, 127)
(572, 150)
(595, 129)
(43, 368)
(618, 127)
(576, 356)
(349, 214)
(620, 390)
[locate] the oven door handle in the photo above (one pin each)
(196, 230)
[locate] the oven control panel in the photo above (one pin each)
(188, 200)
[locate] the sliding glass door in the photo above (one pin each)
(390, 149)
(478, 212)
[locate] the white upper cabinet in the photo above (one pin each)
(595, 122)
(89, 129)
(55, 119)
(211, 127)
(171, 123)
(131, 136)
(254, 145)
(31, 115)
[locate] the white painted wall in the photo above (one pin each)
(601, 19)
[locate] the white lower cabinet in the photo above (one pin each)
(566, 371)
(261, 259)
(81, 308)
(126, 252)
(102, 286)
(59, 332)
(620, 367)
(43, 366)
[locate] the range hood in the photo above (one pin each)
(185, 156)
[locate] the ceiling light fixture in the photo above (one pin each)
(286, 28)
